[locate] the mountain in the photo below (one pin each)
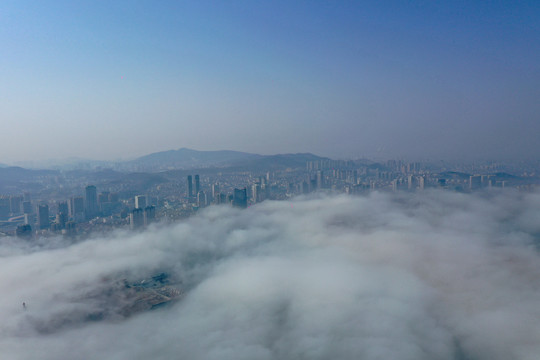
(181, 159)
(193, 159)
(188, 159)
(16, 179)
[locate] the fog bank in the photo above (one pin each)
(433, 275)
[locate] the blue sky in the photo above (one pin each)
(422, 79)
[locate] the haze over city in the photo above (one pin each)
(423, 80)
(264, 180)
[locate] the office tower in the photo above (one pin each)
(256, 193)
(15, 204)
(240, 198)
(76, 208)
(27, 197)
(149, 215)
(140, 202)
(63, 208)
(421, 182)
(190, 186)
(27, 207)
(4, 207)
(29, 219)
(91, 205)
(43, 216)
(197, 184)
(201, 199)
(320, 180)
(61, 220)
(411, 182)
(136, 219)
(475, 182)
(394, 184)
(215, 192)
(305, 187)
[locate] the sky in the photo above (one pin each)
(345, 79)
(383, 276)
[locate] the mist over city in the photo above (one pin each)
(318, 277)
(269, 180)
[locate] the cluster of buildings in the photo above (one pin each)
(174, 198)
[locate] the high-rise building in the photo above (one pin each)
(149, 215)
(256, 193)
(136, 219)
(475, 182)
(4, 206)
(61, 220)
(421, 182)
(215, 192)
(76, 208)
(190, 186)
(240, 198)
(411, 182)
(91, 204)
(140, 202)
(27, 207)
(63, 208)
(43, 216)
(197, 184)
(320, 179)
(201, 199)
(15, 204)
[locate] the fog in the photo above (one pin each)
(432, 275)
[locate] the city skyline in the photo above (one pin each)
(344, 80)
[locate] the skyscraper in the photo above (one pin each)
(136, 219)
(149, 215)
(43, 216)
(190, 186)
(320, 179)
(201, 199)
(140, 202)
(91, 202)
(63, 208)
(76, 208)
(197, 184)
(15, 203)
(215, 192)
(240, 198)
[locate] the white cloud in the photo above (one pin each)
(437, 275)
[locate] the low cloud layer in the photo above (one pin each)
(437, 275)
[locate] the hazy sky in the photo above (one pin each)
(422, 79)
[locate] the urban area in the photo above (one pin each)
(77, 203)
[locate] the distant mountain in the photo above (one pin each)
(14, 178)
(181, 159)
(188, 159)
(193, 159)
